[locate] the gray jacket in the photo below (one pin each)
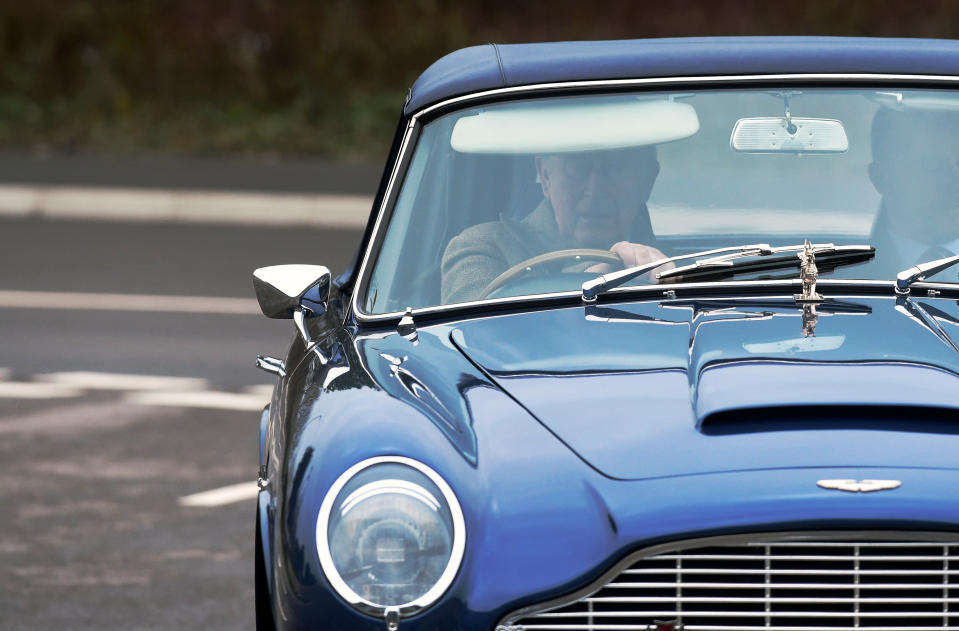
(482, 252)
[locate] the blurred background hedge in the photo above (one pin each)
(284, 77)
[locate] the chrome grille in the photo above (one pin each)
(781, 582)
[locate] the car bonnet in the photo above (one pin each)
(653, 389)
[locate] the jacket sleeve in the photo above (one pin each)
(471, 261)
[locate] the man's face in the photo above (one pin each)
(596, 194)
(916, 170)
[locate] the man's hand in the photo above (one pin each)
(634, 254)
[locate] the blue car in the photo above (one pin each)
(641, 335)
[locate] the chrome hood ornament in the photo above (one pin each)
(860, 486)
(809, 275)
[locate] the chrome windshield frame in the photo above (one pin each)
(419, 118)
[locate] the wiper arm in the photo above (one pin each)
(828, 256)
(605, 282)
(908, 276)
(724, 259)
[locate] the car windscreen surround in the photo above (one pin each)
(363, 316)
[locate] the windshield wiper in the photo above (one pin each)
(908, 276)
(720, 262)
(828, 257)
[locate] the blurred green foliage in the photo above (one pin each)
(321, 77)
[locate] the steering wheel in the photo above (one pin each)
(557, 260)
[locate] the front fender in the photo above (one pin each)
(263, 523)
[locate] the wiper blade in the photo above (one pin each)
(908, 276)
(721, 258)
(605, 282)
(828, 257)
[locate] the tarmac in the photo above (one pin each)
(231, 191)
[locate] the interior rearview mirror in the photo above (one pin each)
(280, 288)
(788, 135)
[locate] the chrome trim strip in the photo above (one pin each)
(456, 553)
(639, 292)
(798, 539)
(416, 120)
(402, 157)
(624, 83)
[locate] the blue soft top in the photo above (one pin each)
(495, 66)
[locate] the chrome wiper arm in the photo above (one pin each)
(605, 282)
(726, 260)
(908, 276)
(827, 249)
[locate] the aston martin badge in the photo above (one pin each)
(860, 486)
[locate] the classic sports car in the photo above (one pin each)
(641, 335)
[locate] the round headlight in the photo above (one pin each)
(390, 535)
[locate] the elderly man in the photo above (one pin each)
(592, 199)
(916, 170)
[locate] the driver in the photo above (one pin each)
(593, 200)
(915, 167)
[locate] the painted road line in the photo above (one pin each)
(217, 207)
(238, 401)
(119, 381)
(15, 299)
(82, 417)
(34, 390)
(263, 390)
(245, 491)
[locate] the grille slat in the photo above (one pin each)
(697, 627)
(851, 572)
(752, 614)
(719, 585)
(788, 582)
(761, 557)
(733, 599)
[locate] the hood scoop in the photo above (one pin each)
(771, 385)
(818, 418)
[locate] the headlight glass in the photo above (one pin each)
(390, 535)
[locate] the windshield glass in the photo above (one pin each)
(539, 195)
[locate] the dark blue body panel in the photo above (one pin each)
(545, 512)
(498, 66)
(611, 381)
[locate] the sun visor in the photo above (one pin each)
(574, 127)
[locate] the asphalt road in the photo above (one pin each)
(98, 453)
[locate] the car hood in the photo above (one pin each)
(680, 387)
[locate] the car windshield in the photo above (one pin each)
(538, 196)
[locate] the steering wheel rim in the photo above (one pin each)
(550, 259)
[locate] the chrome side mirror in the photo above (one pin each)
(280, 288)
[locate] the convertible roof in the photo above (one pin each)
(494, 66)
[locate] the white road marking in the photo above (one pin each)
(239, 401)
(78, 417)
(119, 381)
(127, 302)
(33, 390)
(224, 495)
(264, 390)
(217, 207)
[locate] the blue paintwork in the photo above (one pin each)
(495, 66)
(544, 518)
(611, 388)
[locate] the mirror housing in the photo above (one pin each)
(280, 288)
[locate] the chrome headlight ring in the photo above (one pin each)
(389, 515)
